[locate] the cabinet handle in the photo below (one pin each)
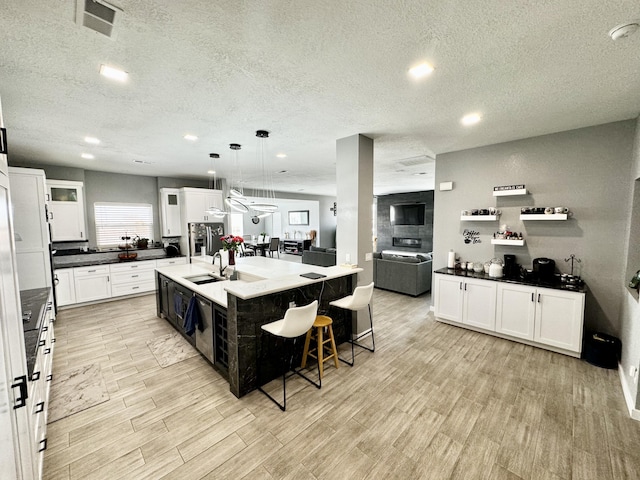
(81, 235)
(538, 298)
(39, 407)
(35, 376)
(134, 266)
(134, 288)
(56, 280)
(21, 382)
(465, 287)
(49, 377)
(43, 444)
(48, 197)
(47, 351)
(45, 328)
(460, 285)
(90, 271)
(3, 140)
(42, 343)
(135, 276)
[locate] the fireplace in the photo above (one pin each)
(407, 242)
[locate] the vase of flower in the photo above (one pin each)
(231, 244)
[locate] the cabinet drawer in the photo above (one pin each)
(132, 288)
(133, 266)
(167, 262)
(89, 271)
(142, 276)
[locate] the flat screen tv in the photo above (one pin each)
(407, 214)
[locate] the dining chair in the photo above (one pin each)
(274, 246)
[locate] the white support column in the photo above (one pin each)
(354, 235)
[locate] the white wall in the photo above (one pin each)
(277, 224)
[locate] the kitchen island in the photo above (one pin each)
(232, 312)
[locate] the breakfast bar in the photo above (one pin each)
(265, 289)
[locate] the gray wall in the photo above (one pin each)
(629, 307)
(586, 170)
(385, 231)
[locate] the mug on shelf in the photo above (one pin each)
(561, 210)
(465, 213)
(549, 210)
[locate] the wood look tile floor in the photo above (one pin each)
(433, 402)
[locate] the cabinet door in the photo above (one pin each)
(516, 310)
(213, 199)
(194, 206)
(559, 319)
(66, 205)
(448, 297)
(170, 214)
(479, 304)
(92, 283)
(65, 286)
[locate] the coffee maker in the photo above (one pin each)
(510, 266)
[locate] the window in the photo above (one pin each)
(115, 220)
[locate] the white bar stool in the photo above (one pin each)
(297, 321)
(360, 299)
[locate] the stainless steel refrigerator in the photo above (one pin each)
(205, 235)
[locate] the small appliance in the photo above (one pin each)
(544, 269)
(510, 266)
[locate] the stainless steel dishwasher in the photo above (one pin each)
(204, 339)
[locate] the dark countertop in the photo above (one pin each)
(77, 258)
(105, 261)
(558, 285)
(34, 300)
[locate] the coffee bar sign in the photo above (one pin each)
(504, 188)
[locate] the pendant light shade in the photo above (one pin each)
(236, 198)
(266, 207)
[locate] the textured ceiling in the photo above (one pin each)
(310, 72)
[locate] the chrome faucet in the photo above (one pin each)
(219, 255)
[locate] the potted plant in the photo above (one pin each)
(141, 243)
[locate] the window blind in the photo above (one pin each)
(116, 220)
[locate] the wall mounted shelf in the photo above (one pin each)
(513, 243)
(508, 193)
(478, 218)
(544, 216)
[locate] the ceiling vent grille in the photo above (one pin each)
(414, 161)
(97, 15)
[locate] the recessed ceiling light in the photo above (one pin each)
(470, 119)
(87, 156)
(211, 172)
(421, 70)
(281, 155)
(92, 140)
(188, 136)
(113, 73)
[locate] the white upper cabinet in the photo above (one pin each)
(195, 202)
(66, 210)
(170, 212)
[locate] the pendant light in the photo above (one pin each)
(215, 211)
(267, 207)
(236, 193)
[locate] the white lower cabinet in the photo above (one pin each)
(92, 283)
(516, 310)
(559, 319)
(168, 262)
(65, 286)
(466, 300)
(545, 317)
(132, 278)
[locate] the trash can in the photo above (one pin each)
(602, 350)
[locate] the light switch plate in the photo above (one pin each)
(446, 186)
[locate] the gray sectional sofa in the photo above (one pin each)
(323, 257)
(410, 275)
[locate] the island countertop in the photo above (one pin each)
(258, 276)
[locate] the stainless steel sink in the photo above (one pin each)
(201, 279)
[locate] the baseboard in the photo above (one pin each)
(628, 398)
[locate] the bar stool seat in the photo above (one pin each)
(296, 322)
(360, 299)
(321, 322)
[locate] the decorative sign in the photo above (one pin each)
(471, 236)
(502, 188)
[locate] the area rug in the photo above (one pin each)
(170, 349)
(76, 390)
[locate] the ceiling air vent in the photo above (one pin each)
(97, 15)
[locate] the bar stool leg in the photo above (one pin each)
(334, 350)
(320, 349)
(305, 352)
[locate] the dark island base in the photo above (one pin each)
(249, 346)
